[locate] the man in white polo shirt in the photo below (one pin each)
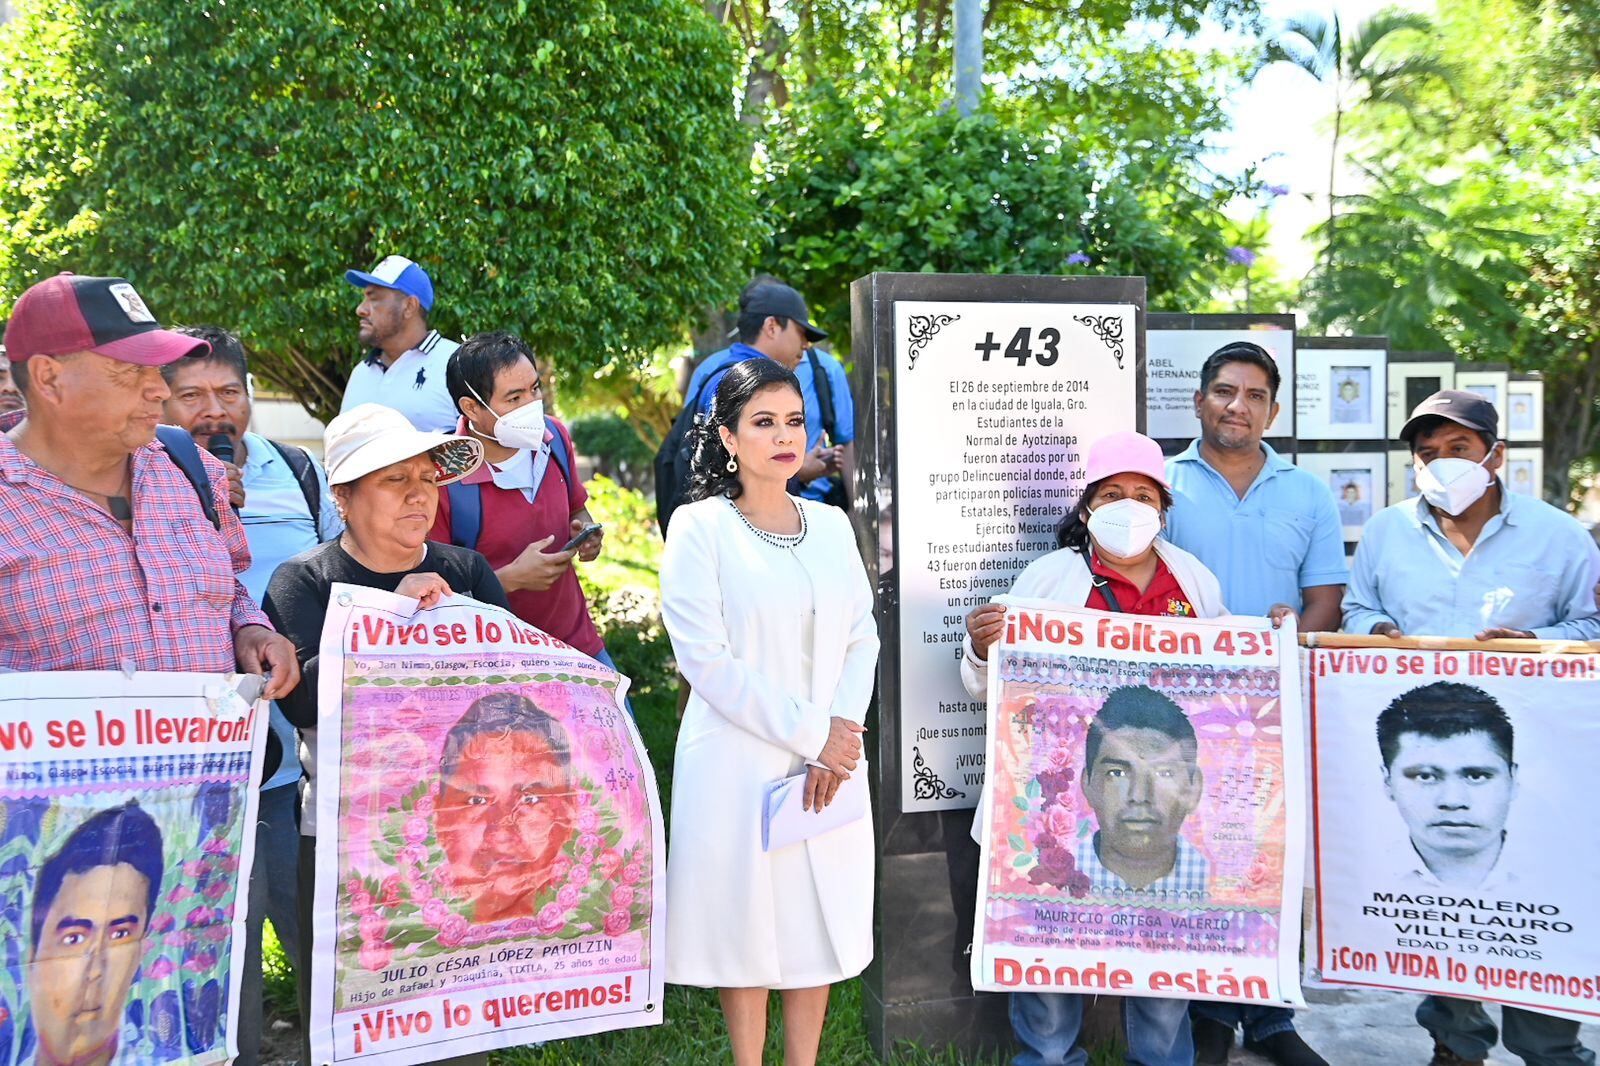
(404, 367)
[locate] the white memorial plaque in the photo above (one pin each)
(1359, 481)
(994, 405)
(1341, 393)
(1173, 358)
(1525, 411)
(1524, 471)
(1402, 475)
(1492, 385)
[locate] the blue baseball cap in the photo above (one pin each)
(397, 272)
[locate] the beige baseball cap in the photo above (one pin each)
(371, 436)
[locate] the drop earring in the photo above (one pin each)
(733, 464)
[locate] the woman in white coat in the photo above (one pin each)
(770, 614)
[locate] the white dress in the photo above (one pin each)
(773, 641)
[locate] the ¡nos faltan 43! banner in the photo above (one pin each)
(124, 856)
(1141, 835)
(491, 859)
(1456, 849)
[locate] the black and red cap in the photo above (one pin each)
(71, 313)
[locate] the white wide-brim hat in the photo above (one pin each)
(371, 436)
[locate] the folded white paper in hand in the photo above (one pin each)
(784, 822)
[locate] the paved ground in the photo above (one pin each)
(1376, 1029)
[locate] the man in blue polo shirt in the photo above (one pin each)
(404, 367)
(286, 509)
(827, 471)
(1271, 533)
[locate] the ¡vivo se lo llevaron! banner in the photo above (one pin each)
(490, 864)
(124, 850)
(1455, 853)
(1141, 834)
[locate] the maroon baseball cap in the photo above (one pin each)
(69, 313)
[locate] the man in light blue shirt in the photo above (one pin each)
(286, 509)
(1270, 532)
(1496, 564)
(1468, 559)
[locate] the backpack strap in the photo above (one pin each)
(1102, 584)
(185, 455)
(819, 377)
(299, 463)
(466, 514)
(558, 449)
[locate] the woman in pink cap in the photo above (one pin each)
(1111, 557)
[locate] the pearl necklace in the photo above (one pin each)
(777, 540)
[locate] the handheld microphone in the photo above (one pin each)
(221, 446)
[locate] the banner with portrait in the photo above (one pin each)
(490, 852)
(1145, 811)
(127, 814)
(1454, 852)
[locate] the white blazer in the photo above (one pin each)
(1062, 579)
(724, 605)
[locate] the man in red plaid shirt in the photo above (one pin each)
(107, 559)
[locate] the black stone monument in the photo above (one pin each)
(917, 988)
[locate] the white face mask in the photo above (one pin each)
(1124, 528)
(1453, 485)
(521, 428)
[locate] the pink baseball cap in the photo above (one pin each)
(1126, 453)
(69, 313)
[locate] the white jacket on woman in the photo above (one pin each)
(732, 605)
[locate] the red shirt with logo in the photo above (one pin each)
(510, 523)
(1163, 597)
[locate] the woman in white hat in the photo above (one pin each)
(1110, 556)
(385, 477)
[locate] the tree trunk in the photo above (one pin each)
(317, 384)
(1571, 424)
(1333, 167)
(764, 83)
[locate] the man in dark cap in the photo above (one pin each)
(1467, 558)
(774, 322)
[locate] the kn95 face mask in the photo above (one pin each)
(1453, 485)
(1124, 528)
(520, 428)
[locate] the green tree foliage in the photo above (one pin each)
(1386, 59)
(1480, 229)
(1089, 144)
(1001, 192)
(569, 171)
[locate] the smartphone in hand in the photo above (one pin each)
(583, 534)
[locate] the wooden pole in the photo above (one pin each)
(1359, 640)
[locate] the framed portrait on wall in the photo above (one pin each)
(1492, 383)
(1525, 409)
(1359, 481)
(1339, 384)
